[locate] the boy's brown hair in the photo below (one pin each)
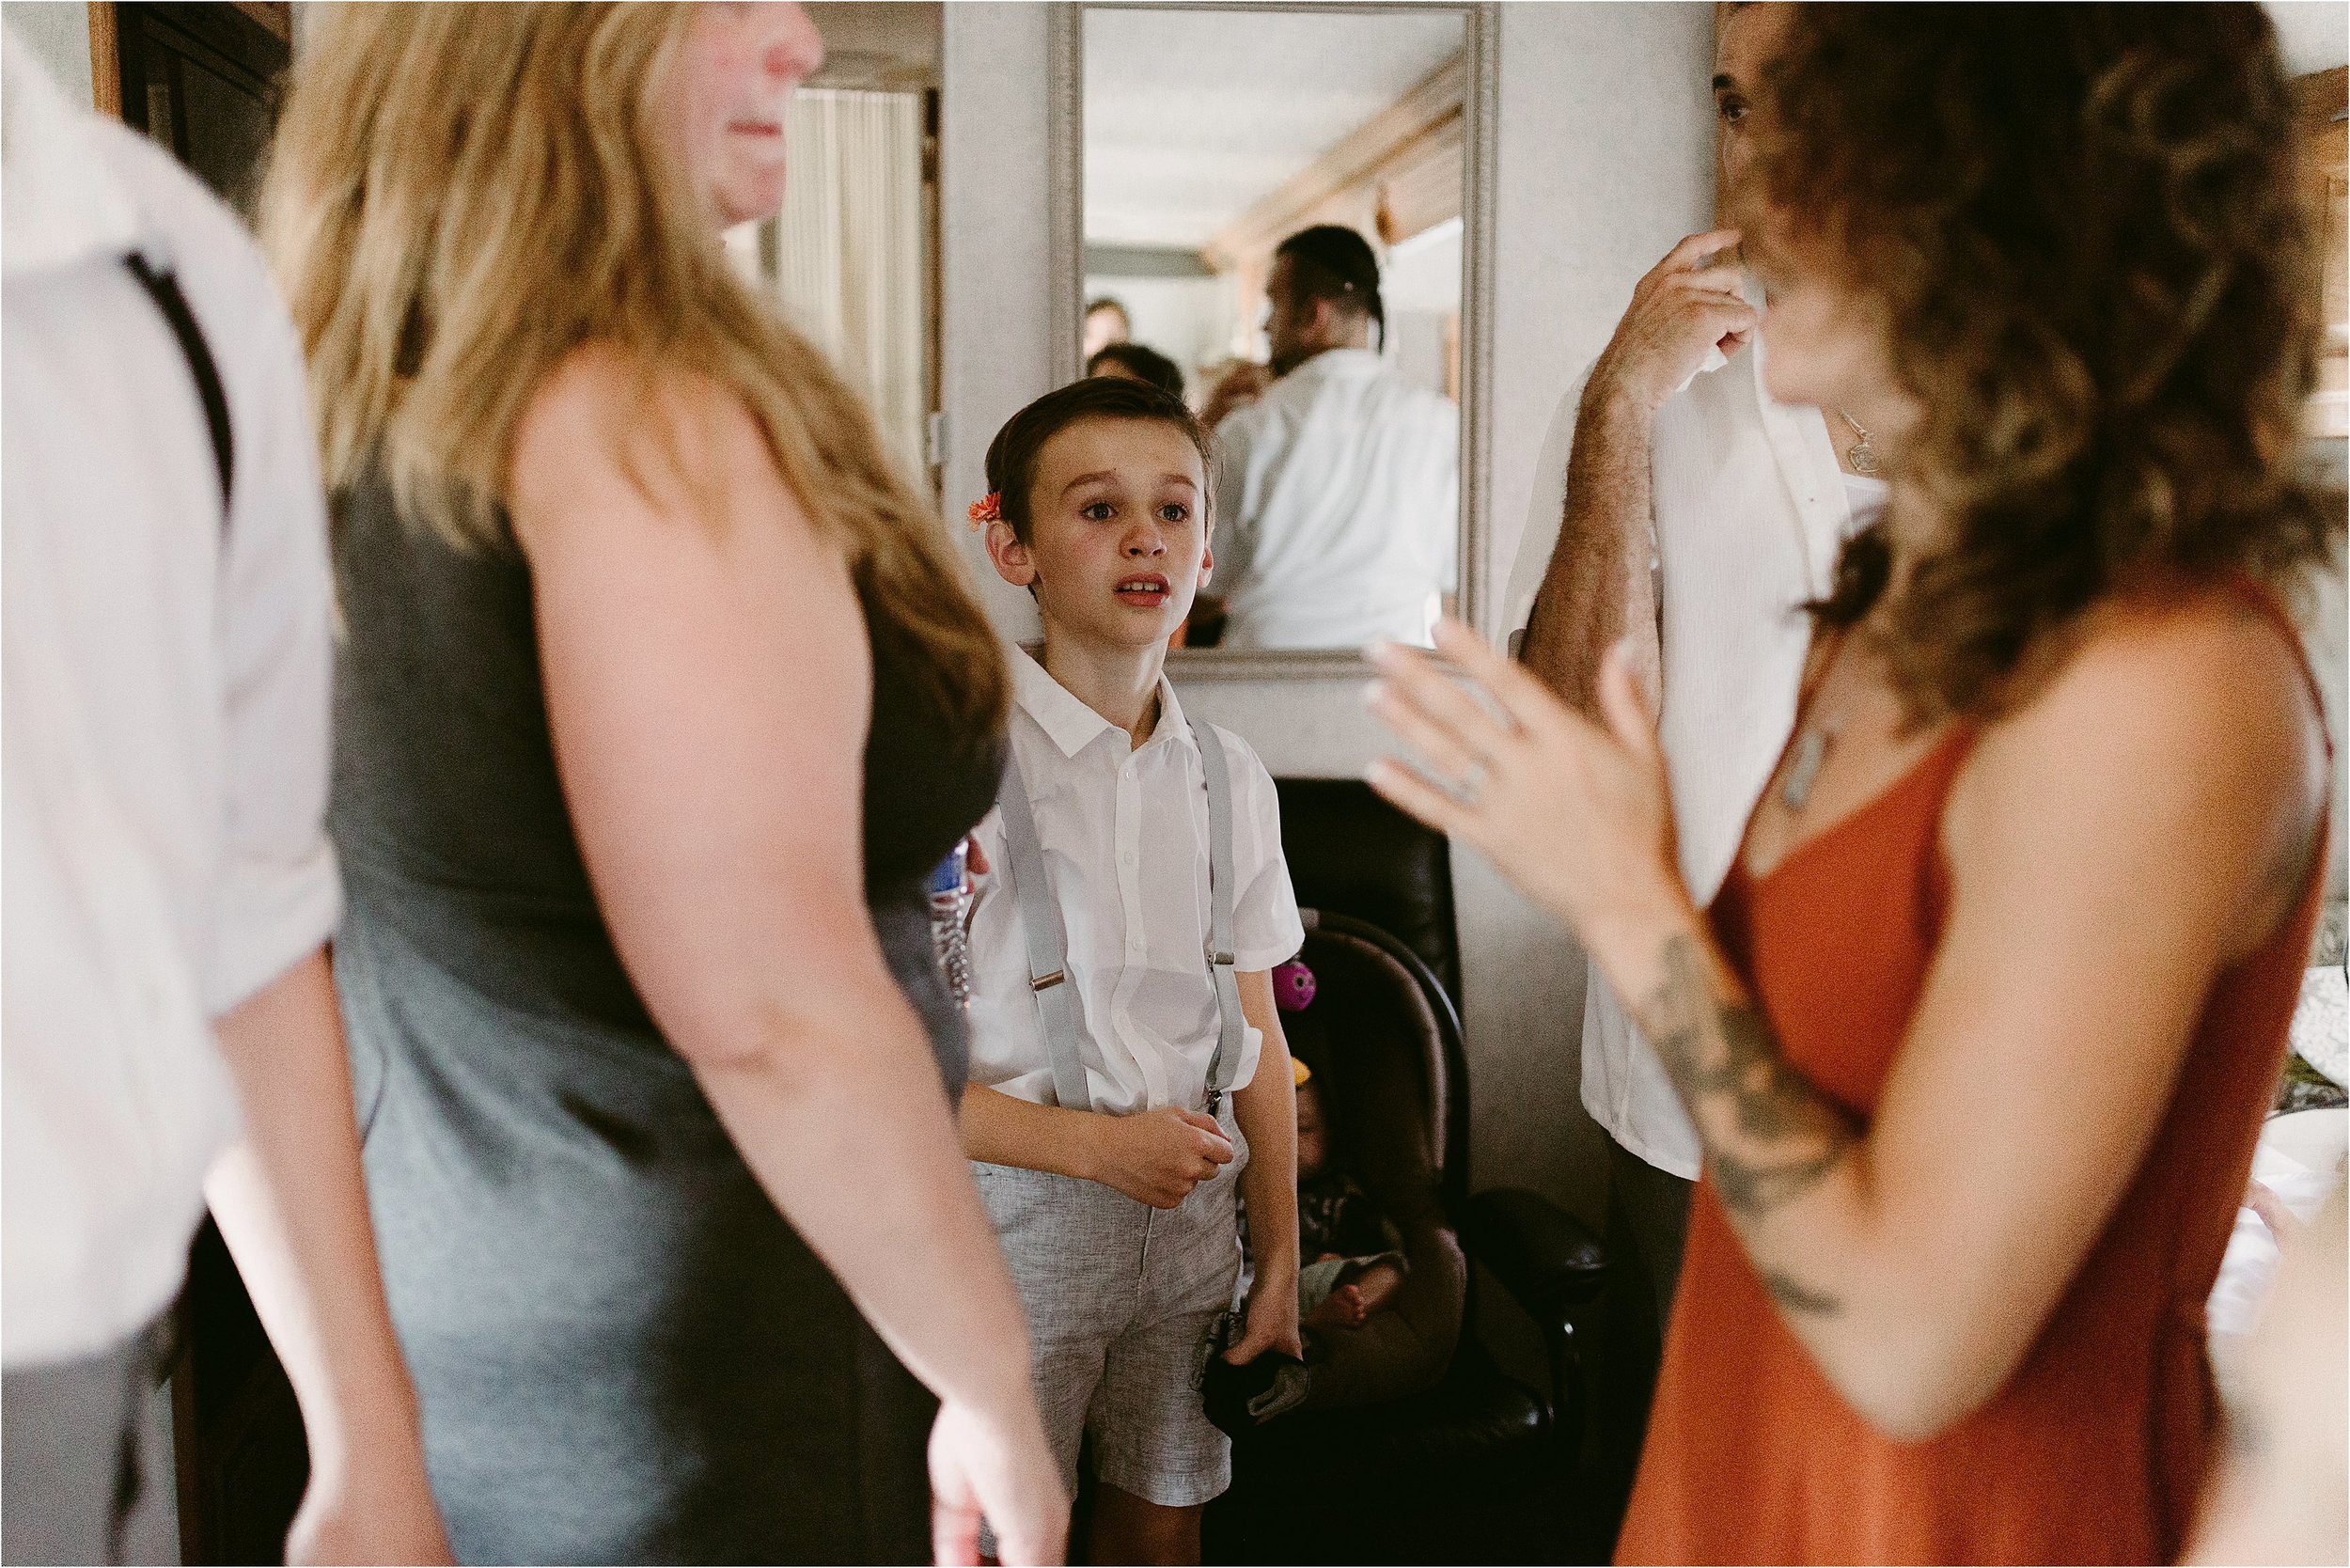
(1012, 457)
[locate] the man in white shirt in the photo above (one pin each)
(169, 883)
(1679, 507)
(1338, 492)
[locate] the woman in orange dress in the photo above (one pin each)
(1979, 1035)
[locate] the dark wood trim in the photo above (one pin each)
(2323, 95)
(106, 60)
(277, 16)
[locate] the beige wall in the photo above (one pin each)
(58, 36)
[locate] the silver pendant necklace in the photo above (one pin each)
(1813, 740)
(1803, 769)
(1862, 456)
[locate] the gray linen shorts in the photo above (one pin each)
(1119, 1298)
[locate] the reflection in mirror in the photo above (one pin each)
(1271, 221)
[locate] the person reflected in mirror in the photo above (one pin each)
(1340, 486)
(1120, 1104)
(1105, 322)
(1137, 362)
(659, 700)
(1231, 387)
(2054, 812)
(1678, 504)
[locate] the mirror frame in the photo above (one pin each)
(1065, 215)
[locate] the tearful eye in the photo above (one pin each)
(1175, 511)
(1099, 511)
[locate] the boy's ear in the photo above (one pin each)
(1011, 560)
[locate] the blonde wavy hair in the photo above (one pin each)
(462, 195)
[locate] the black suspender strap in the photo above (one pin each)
(164, 290)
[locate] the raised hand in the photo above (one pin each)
(1686, 305)
(1578, 816)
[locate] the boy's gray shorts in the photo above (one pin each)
(1120, 1299)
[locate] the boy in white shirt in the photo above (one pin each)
(1129, 1080)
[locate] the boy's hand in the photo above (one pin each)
(1157, 1156)
(1272, 1321)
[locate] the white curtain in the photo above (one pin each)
(848, 265)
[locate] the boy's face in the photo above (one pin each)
(1313, 1142)
(1118, 538)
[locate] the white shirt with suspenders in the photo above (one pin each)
(1124, 833)
(1128, 887)
(167, 621)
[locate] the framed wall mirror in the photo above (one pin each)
(1283, 212)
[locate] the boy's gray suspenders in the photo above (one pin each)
(1225, 1061)
(1048, 940)
(1048, 943)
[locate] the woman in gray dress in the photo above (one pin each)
(659, 694)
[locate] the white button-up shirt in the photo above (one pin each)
(1338, 499)
(165, 718)
(1750, 511)
(1124, 832)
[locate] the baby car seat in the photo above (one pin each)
(1414, 1445)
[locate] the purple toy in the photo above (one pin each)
(1292, 986)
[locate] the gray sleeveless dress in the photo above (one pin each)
(623, 1352)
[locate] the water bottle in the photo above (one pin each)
(950, 890)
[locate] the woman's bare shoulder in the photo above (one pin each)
(2183, 716)
(2188, 665)
(605, 420)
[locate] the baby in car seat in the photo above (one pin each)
(1351, 1258)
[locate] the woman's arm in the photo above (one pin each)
(707, 679)
(291, 1204)
(1267, 1113)
(2144, 821)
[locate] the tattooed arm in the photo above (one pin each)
(2143, 822)
(1769, 1136)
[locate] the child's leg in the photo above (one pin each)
(1128, 1529)
(1157, 1459)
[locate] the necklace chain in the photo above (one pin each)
(1860, 454)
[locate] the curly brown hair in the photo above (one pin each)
(2081, 228)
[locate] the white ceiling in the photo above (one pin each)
(1192, 116)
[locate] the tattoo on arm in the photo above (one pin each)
(1769, 1136)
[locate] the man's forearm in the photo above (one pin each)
(1599, 587)
(292, 1205)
